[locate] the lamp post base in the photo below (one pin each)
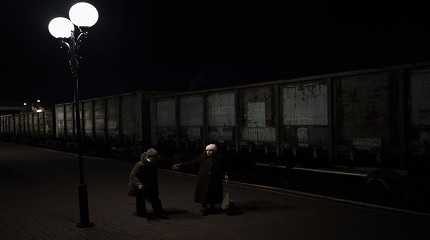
(83, 207)
(87, 225)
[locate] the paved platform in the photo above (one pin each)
(39, 201)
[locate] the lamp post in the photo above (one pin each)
(71, 33)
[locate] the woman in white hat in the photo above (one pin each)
(209, 188)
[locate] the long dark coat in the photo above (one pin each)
(145, 173)
(209, 188)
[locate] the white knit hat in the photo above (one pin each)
(211, 147)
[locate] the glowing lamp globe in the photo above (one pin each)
(60, 27)
(83, 14)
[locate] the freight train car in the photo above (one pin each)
(363, 119)
(360, 123)
(27, 126)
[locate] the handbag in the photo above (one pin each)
(226, 201)
(229, 206)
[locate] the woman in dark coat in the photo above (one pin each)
(209, 188)
(143, 179)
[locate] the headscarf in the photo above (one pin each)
(151, 152)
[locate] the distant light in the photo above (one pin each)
(25, 104)
(83, 14)
(38, 100)
(61, 27)
(39, 110)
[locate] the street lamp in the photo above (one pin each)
(71, 33)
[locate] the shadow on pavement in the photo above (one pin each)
(5, 172)
(175, 213)
(248, 206)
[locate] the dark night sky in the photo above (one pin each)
(172, 45)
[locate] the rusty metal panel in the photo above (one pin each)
(5, 125)
(257, 115)
(59, 116)
(257, 107)
(82, 118)
(191, 111)
(363, 118)
(166, 112)
(21, 124)
(18, 124)
(165, 134)
(305, 104)
(258, 134)
(152, 121)
(419, 136)
(33, 121)
(9, 127)
(221, 109)
(163, 119)
(49, 126)
(140, 119)
(69, 119)
(221, 134)
(191, 117)
(29, 119)
(36, 127)
(129, 117)
(363, 107)
(113, 116)
(420, 98)
(40, 124)
(191, 133)
(99, 115)
(88, 118)
(10, 124)
(2, 124)
(28, 123)
(24, 124)
(305, 136)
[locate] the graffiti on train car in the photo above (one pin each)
(351, 119)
